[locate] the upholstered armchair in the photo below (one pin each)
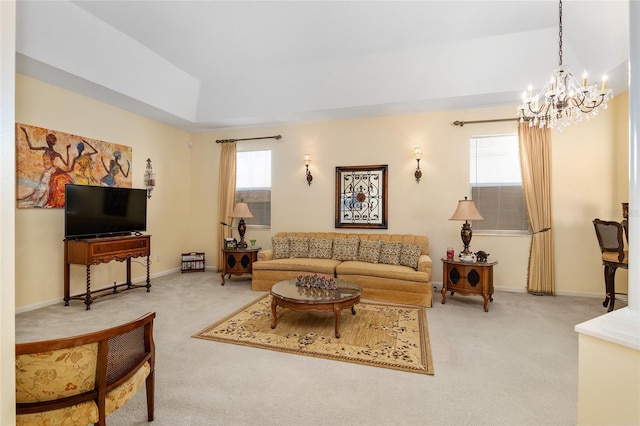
(80, 380)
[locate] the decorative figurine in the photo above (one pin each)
(482, 256)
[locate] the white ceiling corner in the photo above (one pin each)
(203, 65)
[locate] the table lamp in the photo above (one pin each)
(241, 210)
(466, 211)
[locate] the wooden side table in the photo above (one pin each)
(238, 261)
(468, 278)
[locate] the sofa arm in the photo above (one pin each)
(424, 263)
(265, 254)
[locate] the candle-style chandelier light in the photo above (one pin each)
(563, 100)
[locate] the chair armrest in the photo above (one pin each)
(425, 263)
(265, 254)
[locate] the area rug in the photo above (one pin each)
(379, 335)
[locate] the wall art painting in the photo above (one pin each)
(47, 160)
(361, 197)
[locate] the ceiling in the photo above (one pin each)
(205, 65)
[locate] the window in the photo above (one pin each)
(253, 185)
(496, 183)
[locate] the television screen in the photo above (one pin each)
(92, 211)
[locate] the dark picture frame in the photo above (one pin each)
(361, 197)
(230, 243)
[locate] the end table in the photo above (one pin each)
(468, 278)
(238, 261)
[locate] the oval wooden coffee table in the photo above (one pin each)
(288, 295)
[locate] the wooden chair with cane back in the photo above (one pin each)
(80, 380)
(611, 239)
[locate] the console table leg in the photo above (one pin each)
(128, 262)
(148, 280)
(87, 297)
(67, 272)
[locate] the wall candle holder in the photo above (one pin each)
(307, 160)
(149, 178)
(417, 154)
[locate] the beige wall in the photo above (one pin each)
(589, 172)
(40, 232)
(589, 165)
(590, 180)
(7, 213)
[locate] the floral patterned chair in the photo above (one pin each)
(80, 380)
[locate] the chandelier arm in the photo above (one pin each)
(544, 107)
(578, 102)
(589, 108)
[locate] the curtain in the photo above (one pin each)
(535, 160)
(226, 195)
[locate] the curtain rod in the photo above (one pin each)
(462, 123)
(248, 139)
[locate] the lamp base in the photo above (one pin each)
(242, 244)
(466, 257)
(242, 228)
(466, 233)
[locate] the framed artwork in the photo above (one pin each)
(361, 197)
(47, 160)
(230, 243)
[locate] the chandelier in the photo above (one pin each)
(563, 100)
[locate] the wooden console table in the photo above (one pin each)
(93, 251)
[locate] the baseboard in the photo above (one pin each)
(55, 301)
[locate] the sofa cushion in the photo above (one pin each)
(320, 266)
(381, 270)
(298, 247)
(320, 248)
(409, 255)
(345, 248)
(369, 251)
(280, 247)
(390, 253)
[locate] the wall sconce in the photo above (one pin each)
(149, 178)
(417, 154)
(307, 160)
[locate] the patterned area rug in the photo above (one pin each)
(379, 335)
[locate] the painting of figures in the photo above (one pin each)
(47, 160)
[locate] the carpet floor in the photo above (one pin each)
(379, 335)
(514, 365)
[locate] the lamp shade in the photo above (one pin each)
(466, 210)
(241, 210)
(417, 153)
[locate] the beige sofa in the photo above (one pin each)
(353, 257)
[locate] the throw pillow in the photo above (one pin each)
(298, 247)
(345, 248)
(320, 248)
(280, 247)
(369, 251)
(410, 254)
(390, 253)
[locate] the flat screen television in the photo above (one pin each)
(99, 211)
